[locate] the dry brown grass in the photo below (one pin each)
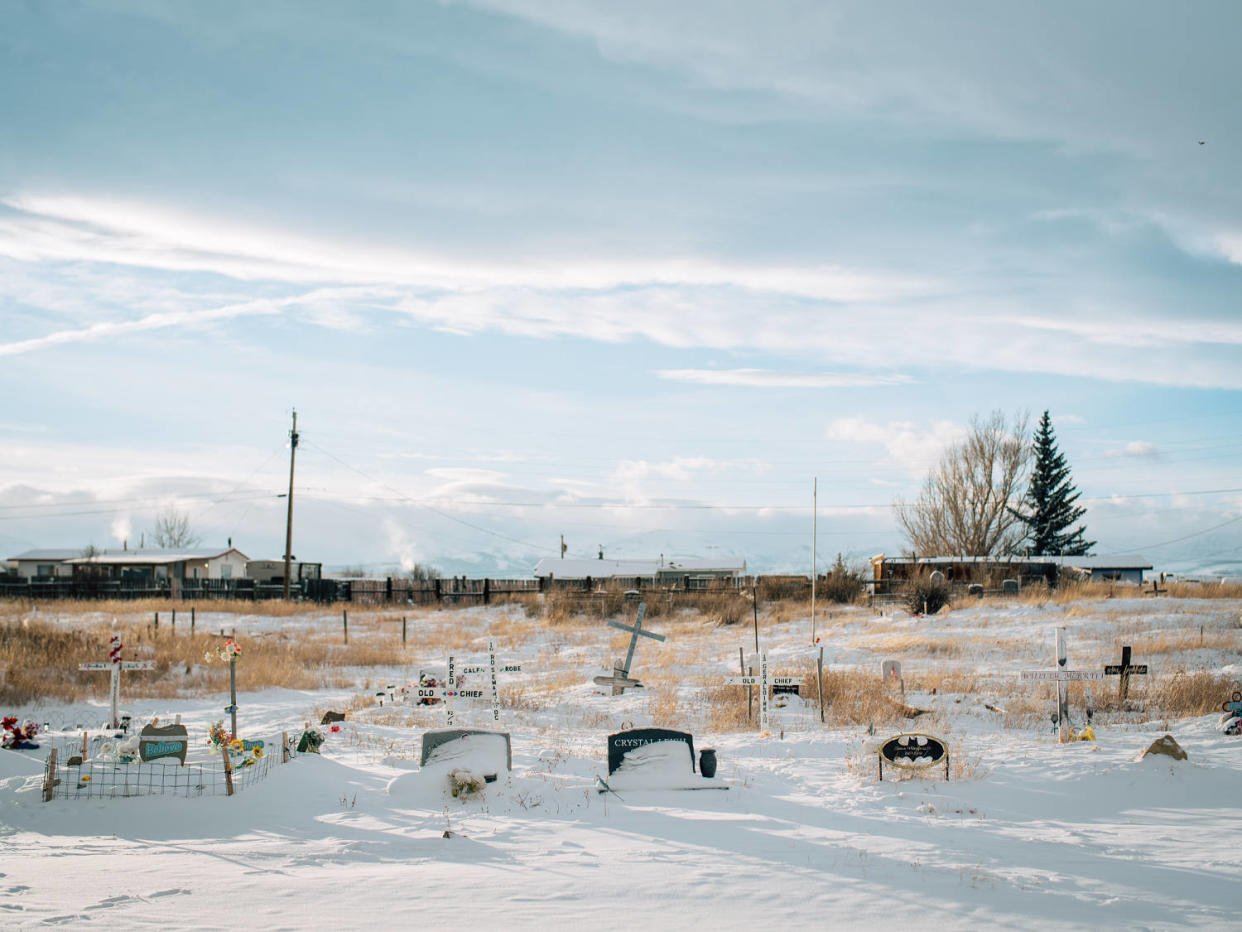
(274, 608)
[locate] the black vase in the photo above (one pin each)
(707, 763)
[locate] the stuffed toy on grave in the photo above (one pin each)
(658, 759)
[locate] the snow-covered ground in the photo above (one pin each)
(1030, 833)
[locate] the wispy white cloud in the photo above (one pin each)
(907, 446)
(768, 378)
(1135, 449)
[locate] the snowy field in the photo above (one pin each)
(1028, 833)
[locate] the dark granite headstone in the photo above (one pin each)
(436, 737)
(330, 717)
(156, 741)
(1009, 587)
(623, 742)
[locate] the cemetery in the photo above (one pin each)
(971, 755)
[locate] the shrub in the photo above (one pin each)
(842, 584)
(922, 595)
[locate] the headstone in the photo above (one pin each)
(975, 589)
(1009, 587)
(1167, 746)
(914, 752)
(439, 737)
(937, 578)
(330, 717)
(623, 742)
(155, 742)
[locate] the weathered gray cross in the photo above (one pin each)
(1062, 677)
(620, 679)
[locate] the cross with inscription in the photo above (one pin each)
(764, 681)
(115, 664)
(620, 680)
(1124, 670)
(1062, 677)
(491, 670)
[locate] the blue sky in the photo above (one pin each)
(634, 273)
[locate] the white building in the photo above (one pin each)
(43, 564)
(657, 571)
(180, 564)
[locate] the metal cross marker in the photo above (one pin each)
(620, 679)
(765, 683)
(1062, 677)
(116, 665)
(1124, 670)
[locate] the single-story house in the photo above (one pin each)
(268, 571)
(890, 572)
(44, 564)
(229, 563)
(659, 571)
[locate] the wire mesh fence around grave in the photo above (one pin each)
(100, 779)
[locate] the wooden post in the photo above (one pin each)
(754, 593)
(821, 685)
(157, 622)
(83, 747)
(173, 624)
(345, 624)
(228, 771)
(49, 777)
(233, 693)
(284, 747)
(191, 621)
(487, 591)
(1062, 691)
(403, 631)
(741, 665)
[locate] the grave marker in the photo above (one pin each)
(155, 742)
(623, 742)
(440, 736)
(914, 752)
(115, 664)
(492, 669)
(1062, 677)
(766, 683)
(620, 680)
(1124, 670)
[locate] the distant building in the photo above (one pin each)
(181, 564)
(269, 571)
(673, 572)
(889, 573)
(44, 564)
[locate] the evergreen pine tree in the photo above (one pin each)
(1049, 502)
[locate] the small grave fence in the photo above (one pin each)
(102, 779)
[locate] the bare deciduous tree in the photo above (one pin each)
(172, 530)
(965, 506)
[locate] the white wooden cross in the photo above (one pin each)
(450, 692)
(620, 679)
(765, 683)
(491, 669)
(1062, 677)
(116, 665)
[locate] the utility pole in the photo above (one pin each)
(563, 547)
(814, 509)
(293, 449)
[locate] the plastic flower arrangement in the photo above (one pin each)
(228, 651)
(218, 736)
(16, 737)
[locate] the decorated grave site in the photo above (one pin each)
(1019, 761)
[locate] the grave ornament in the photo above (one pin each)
(155, 741)
(914, 753)
(1231, 720)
